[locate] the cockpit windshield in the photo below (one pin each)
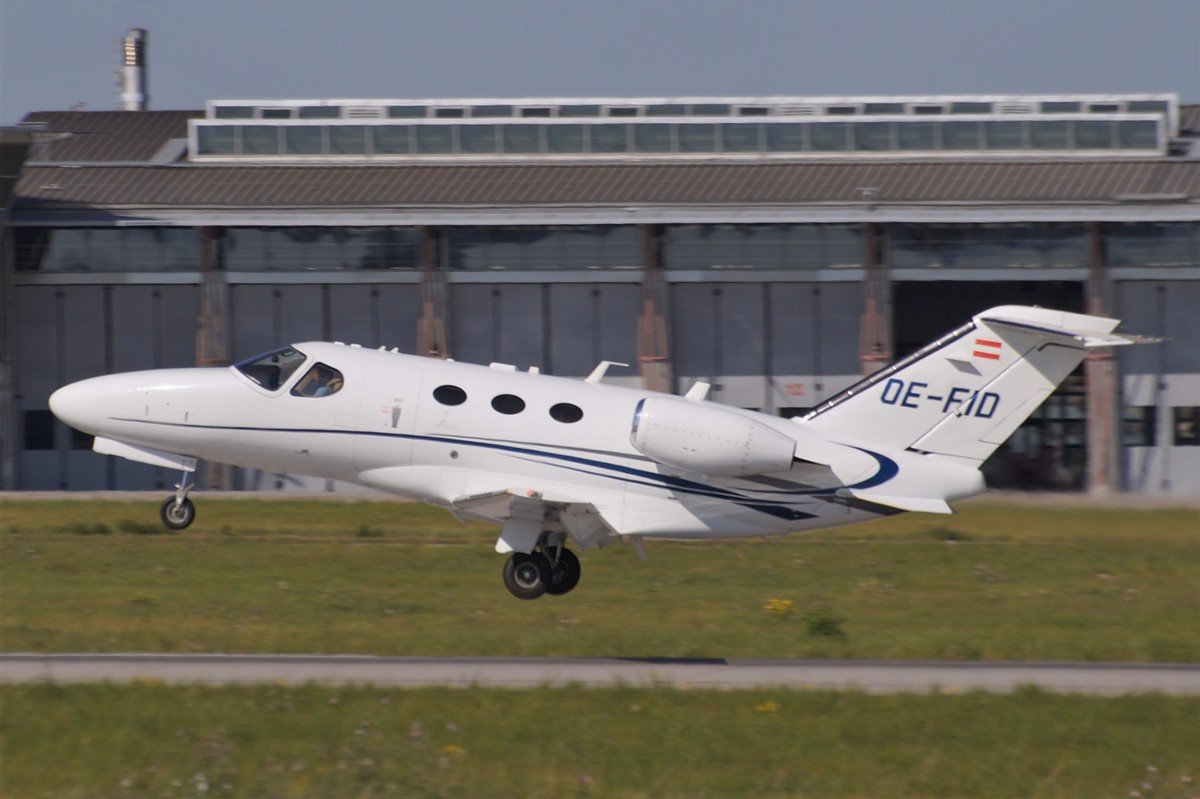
(271, 369)
(321, 381)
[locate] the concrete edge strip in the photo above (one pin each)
(1107, 679)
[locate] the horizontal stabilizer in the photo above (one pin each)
(1089, 335)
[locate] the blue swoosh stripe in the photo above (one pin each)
(888, 468)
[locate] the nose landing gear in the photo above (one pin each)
(177, 511)
(549, 569)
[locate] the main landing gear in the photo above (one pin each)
(549, 569)
(177, 511)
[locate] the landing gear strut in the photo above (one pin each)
(177, 511)
(549, 569)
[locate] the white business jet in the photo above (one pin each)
(556, 460)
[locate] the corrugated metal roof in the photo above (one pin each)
(281, 187)
(99, 136)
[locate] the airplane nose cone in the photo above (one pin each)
(77, 405)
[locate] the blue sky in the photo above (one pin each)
(55, 54)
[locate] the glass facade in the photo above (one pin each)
(106, 249)
(739, 247)
(319, 249)
(549, 247)
(1031, 246)
(767, 136)
(1152, 244)
(578, 247)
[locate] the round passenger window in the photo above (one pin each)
(450, 395)
(508, 403)
(566, 413)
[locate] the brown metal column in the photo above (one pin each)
(212, 339)
(431, 326)
(653, 353)
(1100, 381)
(875, 323)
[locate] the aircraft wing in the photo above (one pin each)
(528, 513)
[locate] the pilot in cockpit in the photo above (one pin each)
(321, 381)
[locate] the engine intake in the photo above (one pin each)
(707, 439)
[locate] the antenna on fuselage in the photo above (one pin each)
(601, 369)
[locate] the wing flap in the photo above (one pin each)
(527, 514)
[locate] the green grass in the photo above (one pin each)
(994, 582)
(276, 741)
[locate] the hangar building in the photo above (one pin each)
(778, 247)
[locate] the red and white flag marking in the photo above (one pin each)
(987, 348)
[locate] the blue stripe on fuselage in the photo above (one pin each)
(888, 468)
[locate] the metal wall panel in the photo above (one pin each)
(38, 373)
(573, 344)
(179, 307)
(399, 309)
(1163, 376)
(354, 315)
(252, 325)
(135, 329)
(767, 346)
(473, 331)
(498, 323)
(522, 332)
(742, 344)
(590, 323)
(136, 344)
(37, 368)
(795, 327)
(619, 307)
(85, 354)
(301, 314)
(840, 307)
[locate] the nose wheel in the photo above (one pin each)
(546, 570)
(177, 511)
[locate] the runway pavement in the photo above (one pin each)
(1104, 679)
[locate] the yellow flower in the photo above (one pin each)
(767, 707)
(780, 606)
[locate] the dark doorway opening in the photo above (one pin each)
(1049, 451)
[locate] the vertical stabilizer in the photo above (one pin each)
(964, 394)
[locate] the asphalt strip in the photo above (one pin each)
(1100, 679)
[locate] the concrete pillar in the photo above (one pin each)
(431, 326)
(653, 353)
(212, 339)
(1101, 382)
(875, 323)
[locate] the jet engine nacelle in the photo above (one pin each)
(706, 439)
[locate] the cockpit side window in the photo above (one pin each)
(272, 369)
(321, 381)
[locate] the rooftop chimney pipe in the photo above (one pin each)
(133, 72)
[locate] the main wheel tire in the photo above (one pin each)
(177, 517)
(527, 576)
(565, 574)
